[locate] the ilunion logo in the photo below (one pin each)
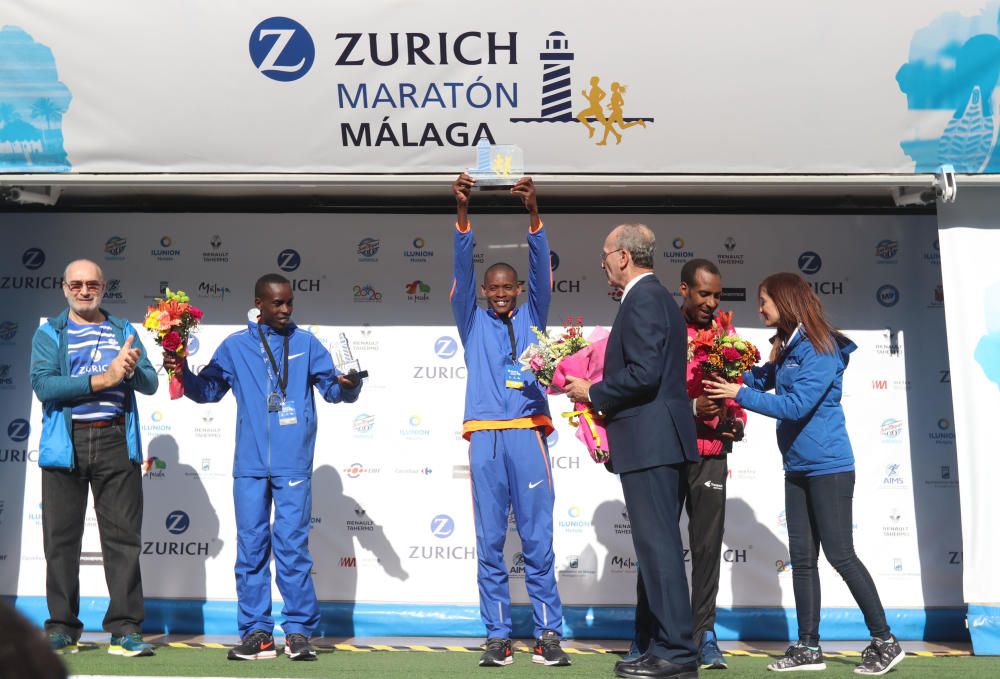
(282, 49)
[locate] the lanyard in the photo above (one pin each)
(282, 381)
(513, 341)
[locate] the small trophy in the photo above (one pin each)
(497, 166)
(347, 364)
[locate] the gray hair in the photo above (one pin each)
(100, 271)
(638, 240)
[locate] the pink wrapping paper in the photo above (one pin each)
(588, 363)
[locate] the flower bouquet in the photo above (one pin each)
(720, 352)
(543, 357)
(172, 321)
(553, 360)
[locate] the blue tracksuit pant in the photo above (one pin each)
(510, 467)
(292, 499)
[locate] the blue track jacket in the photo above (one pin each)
(812, 431)
(489, 404)
(264, 447)
(56, 389)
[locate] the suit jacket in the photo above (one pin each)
(644, 393)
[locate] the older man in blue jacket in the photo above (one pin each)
(86, 366)
(272, 367)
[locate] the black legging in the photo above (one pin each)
(818, 510)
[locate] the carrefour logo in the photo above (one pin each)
(445, 347)
(810, 263)
(442, 526)
(177, 522)
(18, 430)
(33, 258)
(282, 49)
(289, 260)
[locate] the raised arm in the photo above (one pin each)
(539, 261)
(463, 285)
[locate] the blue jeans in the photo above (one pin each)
(818, 511)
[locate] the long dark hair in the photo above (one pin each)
(797, 303)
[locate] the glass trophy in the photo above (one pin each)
(347, 364)
(498, 166)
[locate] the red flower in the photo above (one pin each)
(731, 353)
(195, 312)
(724, 320)
(171, 341)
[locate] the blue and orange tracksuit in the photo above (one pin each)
(506, 428)
(272, 464)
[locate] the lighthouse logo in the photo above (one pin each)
(595, 109)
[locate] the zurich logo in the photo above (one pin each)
(177, 522)
(552, 438)
(18, 430)
(193, 345)
(445, 347)
(442, 526)
(810, 263)
(33, 258)
(282, 49)
(553, 260)
(289, 260)
(887, 295)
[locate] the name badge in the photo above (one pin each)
(287, 415)
(514, 378)
(273, 402)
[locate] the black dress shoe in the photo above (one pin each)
(656, 668)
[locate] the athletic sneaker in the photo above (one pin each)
(60, 642)
(498, 653)
(799, 658)
(709, 654)
(255, 646)
(129, 645)
(879, 657)
(297, 647)
(548, 651)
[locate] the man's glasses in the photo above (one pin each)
(77, 286)
(605, 255)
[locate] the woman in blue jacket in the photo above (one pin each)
(806, 370)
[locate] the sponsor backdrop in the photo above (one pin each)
(969, 233)
(391, 86)
(392, 526)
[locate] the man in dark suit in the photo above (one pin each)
(643, 397)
